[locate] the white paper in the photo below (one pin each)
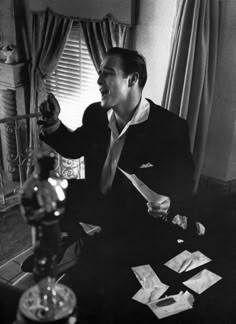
(202, 281)
(152, 287)
(197, 260)
(186, 261)
(146, 276)
(176, 262)
(145, 191)
(146, 296)
(172, 304)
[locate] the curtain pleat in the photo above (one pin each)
(191, 73)
(49, 33)
(102, 35)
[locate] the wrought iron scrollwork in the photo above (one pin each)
(20, 157)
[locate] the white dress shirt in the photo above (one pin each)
(117, 141)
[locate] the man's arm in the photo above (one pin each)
(54, 133)
(69, 144)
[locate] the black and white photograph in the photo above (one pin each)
(117, 161)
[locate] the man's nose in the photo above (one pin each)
(99, 80)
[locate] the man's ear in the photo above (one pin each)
(133, 78)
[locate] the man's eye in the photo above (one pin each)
(105, 73)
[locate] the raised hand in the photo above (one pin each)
(50, 110)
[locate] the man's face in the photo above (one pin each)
(113, 84)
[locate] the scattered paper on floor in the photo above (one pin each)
(173, 304)
(202, 281)
(146, 296)
(186, 261)
(146, 276)
(152, 287)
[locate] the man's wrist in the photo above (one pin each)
(51, 128)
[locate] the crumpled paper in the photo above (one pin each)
(181, 221)
(201, 230)
(186, 261)
(173, 304)
(202, 281)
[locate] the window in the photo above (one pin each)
(74, 81)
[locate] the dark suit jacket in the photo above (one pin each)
(162, 141)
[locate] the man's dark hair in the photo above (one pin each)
(132, 62)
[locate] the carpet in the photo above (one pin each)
(15, 234)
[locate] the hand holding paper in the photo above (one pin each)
(159, 209)
(158, 205)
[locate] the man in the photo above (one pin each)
(125, 132)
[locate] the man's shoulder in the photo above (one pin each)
(158, 112)
(94, 107)
(95, 113)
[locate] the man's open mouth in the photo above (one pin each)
(104, 92)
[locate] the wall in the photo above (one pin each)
(7, 30)
(152, 37)
(220, 161)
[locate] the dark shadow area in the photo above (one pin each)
(15, 234)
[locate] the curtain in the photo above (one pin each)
(49, 33)
(191, 73)
(100, 35)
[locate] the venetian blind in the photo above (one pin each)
(74, 81)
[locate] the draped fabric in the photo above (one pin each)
(49, 33)
(191, 73)
(100, 35)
